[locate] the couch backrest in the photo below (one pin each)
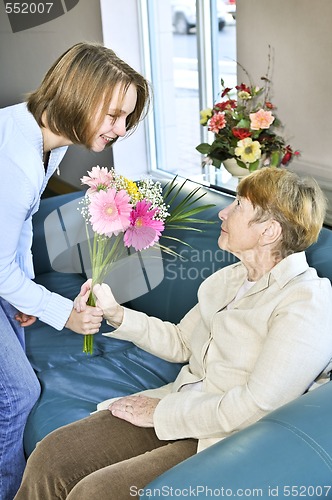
(319, 255)
(48, 206)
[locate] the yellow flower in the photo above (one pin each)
(245, 96)
(248, 150)
(131, 188)
(205, 115)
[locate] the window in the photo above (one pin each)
(189, 46)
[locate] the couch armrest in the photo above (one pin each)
(289, 448)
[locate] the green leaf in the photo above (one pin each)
(169, 186)
(184, 205)
(203, 148)
(185, 228)
(172, 238)
(241, 164)
(186, 217)
(177, 223)
(275, 159)
(177, 189)
(243, 123)
(182, 214)
(254, 166)
(216, 162)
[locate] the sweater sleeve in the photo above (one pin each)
(161, 338)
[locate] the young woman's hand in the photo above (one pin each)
(25, 319)
(81, 299)
(85, 322)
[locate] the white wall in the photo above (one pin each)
(300, 33)
(25, 57)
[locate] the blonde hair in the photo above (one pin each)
(298, 204)
(77, 84)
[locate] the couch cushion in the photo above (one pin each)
(72, 390)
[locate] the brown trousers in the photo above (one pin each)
(100, 457)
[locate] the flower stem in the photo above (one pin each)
(102, 257)
(88, 339)
(88, 344)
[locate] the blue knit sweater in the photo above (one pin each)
(22, 181)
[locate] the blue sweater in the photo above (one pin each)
(22, 183)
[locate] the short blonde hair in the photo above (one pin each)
(76, 85)
(298, 204)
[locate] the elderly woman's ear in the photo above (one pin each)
(272, 233)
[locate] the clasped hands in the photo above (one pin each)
(136, 409)
(112, 311)
(87, 320)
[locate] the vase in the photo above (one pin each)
(233, 168)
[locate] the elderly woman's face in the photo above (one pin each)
(238, 234)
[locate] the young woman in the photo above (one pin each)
(250, 345)
(90, 97)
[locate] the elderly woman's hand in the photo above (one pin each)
(138, 410)
(112, 311)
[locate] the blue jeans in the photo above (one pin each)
(19, 390)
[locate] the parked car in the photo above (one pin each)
(231, 7)
(184, 15)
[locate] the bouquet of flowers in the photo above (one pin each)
(245, 128)
(123, 213)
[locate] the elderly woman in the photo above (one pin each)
(259, 336)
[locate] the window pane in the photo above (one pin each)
(227, 44)
(185, 71)
(175, 79)
(225, 39)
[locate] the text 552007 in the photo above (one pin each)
(28, 8)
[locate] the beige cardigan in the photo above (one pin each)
(263, 352)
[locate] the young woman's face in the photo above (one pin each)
(114, 122)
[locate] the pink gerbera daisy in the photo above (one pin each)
(98, 179)
(144, 230)
(110, 212)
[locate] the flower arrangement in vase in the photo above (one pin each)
(246, 129)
